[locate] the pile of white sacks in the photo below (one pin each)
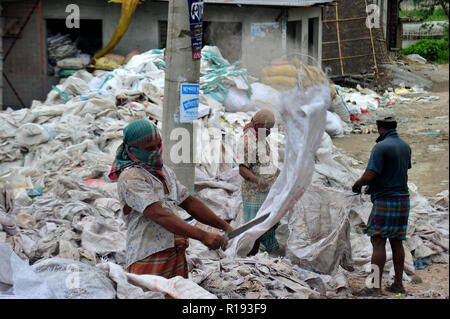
(61, 231)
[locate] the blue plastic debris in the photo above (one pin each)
(35, 192)
(422, 263)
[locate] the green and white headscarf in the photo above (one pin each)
(139, 132)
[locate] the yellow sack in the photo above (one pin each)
(403, 91)
(128, 9)
(283, 69)
(333, 91)
(280, 81)
(106, 64)
(295, 61)
(118, 58)
(311, 75)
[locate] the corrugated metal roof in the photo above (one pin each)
(284, 3)
(281, 3)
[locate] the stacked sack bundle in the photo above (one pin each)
(280, 75)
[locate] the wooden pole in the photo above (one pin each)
(347, 57)
(345, 19)
(348, 40)
(339, 38)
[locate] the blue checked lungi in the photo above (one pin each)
(389, 218)
(251, 207)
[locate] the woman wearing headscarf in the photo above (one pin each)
(152, 197)
(258, 172)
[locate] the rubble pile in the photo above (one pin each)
(364, 105)
(64, 57)
(57, 204)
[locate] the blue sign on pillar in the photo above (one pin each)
(196, 23)
(189, 100)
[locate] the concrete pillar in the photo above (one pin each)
(283, 35)
(319, 38)
(1, 57)
(315, 49)
(179, 68)
(304, 41)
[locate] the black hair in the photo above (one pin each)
(388, 125)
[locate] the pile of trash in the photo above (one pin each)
(59, 211)
(64, 57)
(358, 108)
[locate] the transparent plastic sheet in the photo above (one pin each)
(18, 280)
(303, 113)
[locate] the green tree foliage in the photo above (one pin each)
(428, 7)
(435, 51)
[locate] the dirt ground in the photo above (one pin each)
(429, 283)
(425, 126)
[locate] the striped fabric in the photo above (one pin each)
(251, 207)
(168, 263)
(389, 218)
(138, 133)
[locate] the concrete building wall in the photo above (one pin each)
(302, 15)
(23, 63)
(382, 5)
(258, 50)
(142, 35)
(1, 57)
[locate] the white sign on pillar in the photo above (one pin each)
(189, 100)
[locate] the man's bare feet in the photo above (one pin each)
(396, 288)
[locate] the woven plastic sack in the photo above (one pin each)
(334, 126)
(71, 64)
(17, 279)
(133, 286)
(284, 70)
(70, 279)
(303, 113)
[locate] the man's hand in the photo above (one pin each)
(214, 241)
(356, 188)
(367, 178)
